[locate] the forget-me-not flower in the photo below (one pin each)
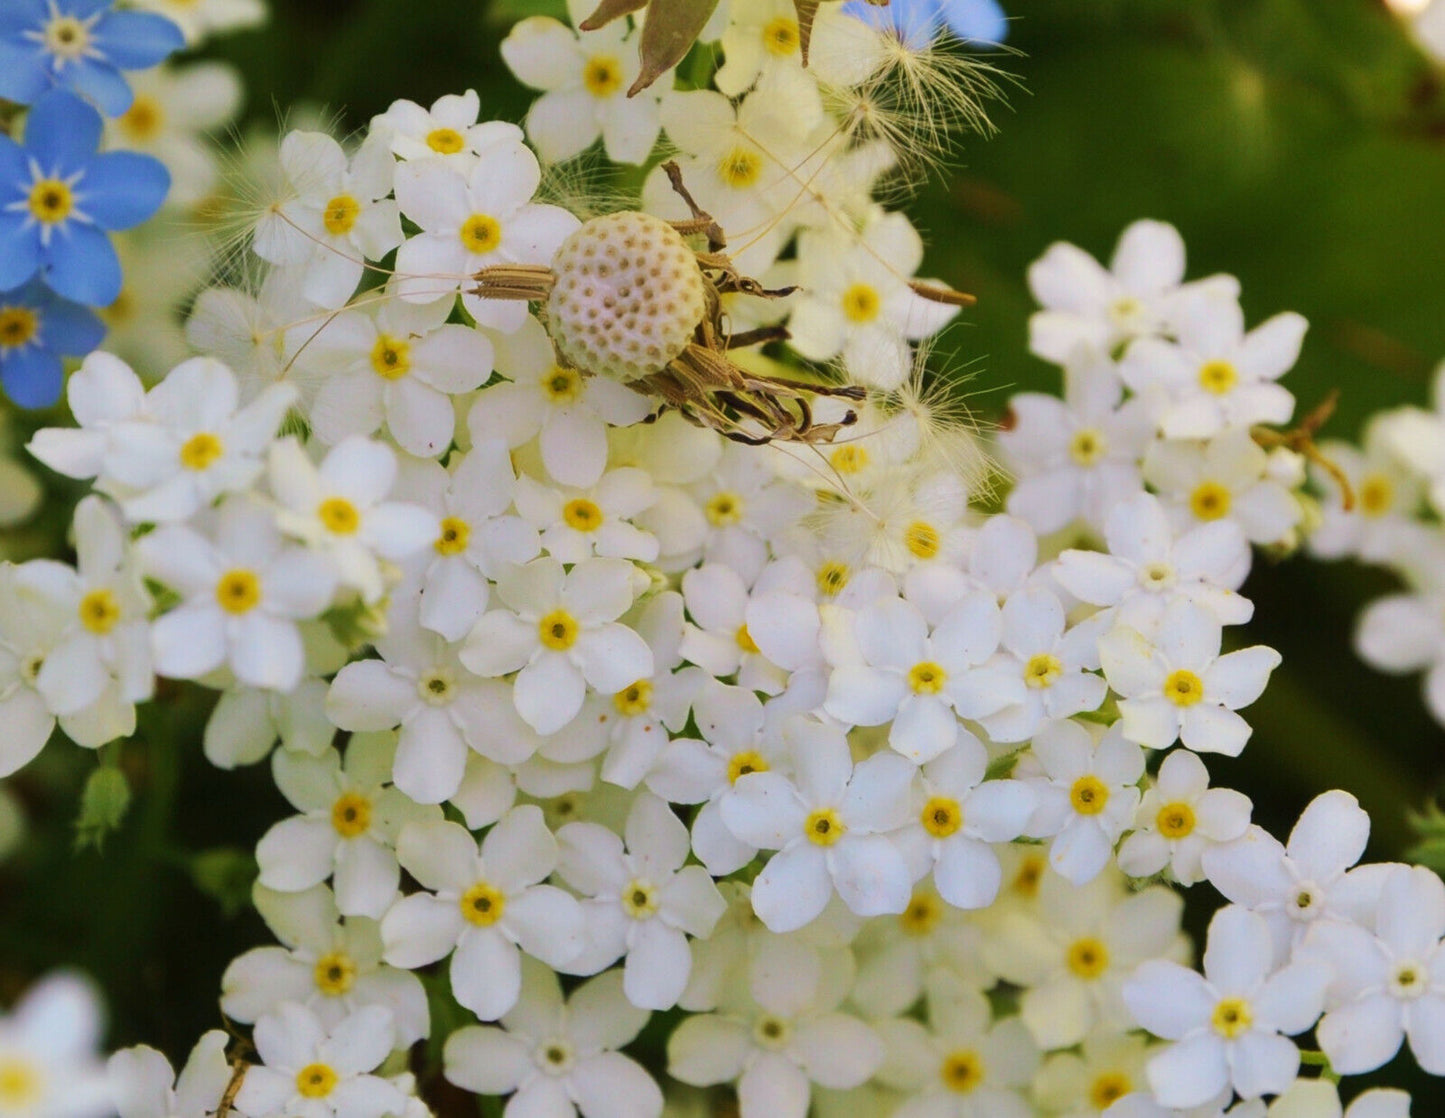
(81, 45)
(37, 328)
(918, 22)
(58, 199)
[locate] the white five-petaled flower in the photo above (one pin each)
(145, 1086)
(1229, 1025)
(560, 634)
(49, 1064)
(485, 905)
(448, 131)
(1180, 818)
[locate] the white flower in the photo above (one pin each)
(561, 635)
(959, 814)
(1084, 303)
(400, 368)
(330, 964)
(585, 81)
(1389, 977)
(1295, 885)
(471, 220)
(1319, 1098)
(1078, 457)
(49, 1065)
(335, 217)
(247, 721)
(921, 682)
(1230, 1024)
(1147, 568)
(1386, 500)
(559, 1057)
(641, 902)
(962, 1065)
(597, 520)
(1406, 633)
(484, 907)
(717, 639)
(447, 131)
(308, 1068)
(830, 826)
(348, 826)
(104, 391)
(1176, 686)
(242, 595)
(1180, 818)
(1109, 1067)
(339, 508)
(1227, 476)
(145, 1086)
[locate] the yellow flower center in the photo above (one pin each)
(445, 141)
(482, 904)
(781, 37)
(454, 536)
(740, 168)
(922, 915)
(941, 817)
(921, 538)
(563, 385)
(1209, 501)
(849, 459)
(238, 591)
(634, 700)
(1042, 670)
(1183, 688)
(1089, 796)
(558, 630)
(1217, 377)
(315, 1081)
(481, 234)
(602, 76)
(200, 450)
(67, 37)
(334, 973)
(927, 678)
(99, 611)
(1377, 495)
(351, 815)
(1175, 821)
(1087, 957)
(340, 215)
(17, 326)
(1108, 1088)
(143, 120)
(20, 1085)
(771, 1032)
(824, 827)
(1087, 446)
(436, 687)
(1231, 1017)
(1409, 980)
(832, 577)
(51, 201)
(748, 761)
(861, 303)
(339, 515)
(962, 1071)
(745, 639)
(582, 515)
(1031, 871)
(724, 508)
(639, 899)
(390, 357)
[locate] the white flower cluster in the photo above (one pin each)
(875, 792)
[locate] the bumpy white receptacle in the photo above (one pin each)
(627, 297)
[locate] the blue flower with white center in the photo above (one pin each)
(918, 22)
(81, 45)
(58, 199)
(37, 329)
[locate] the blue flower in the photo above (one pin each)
(81, 45)
(36, 329)
(58, 197)
(917, 22)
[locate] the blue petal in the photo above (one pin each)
(14, 169)
(31, 376)
(22, 73)
(137, 40)
(69, 328)
(122, 188)
(101, 82)
(62, 131)
(22, 15)
(83, 266)
(976, 21)
(19, 251)
(915, 22)
(81, 9)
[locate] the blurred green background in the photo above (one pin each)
(1299, 144)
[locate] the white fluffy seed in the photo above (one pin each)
(628, 295)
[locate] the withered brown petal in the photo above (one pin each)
(672, 27)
